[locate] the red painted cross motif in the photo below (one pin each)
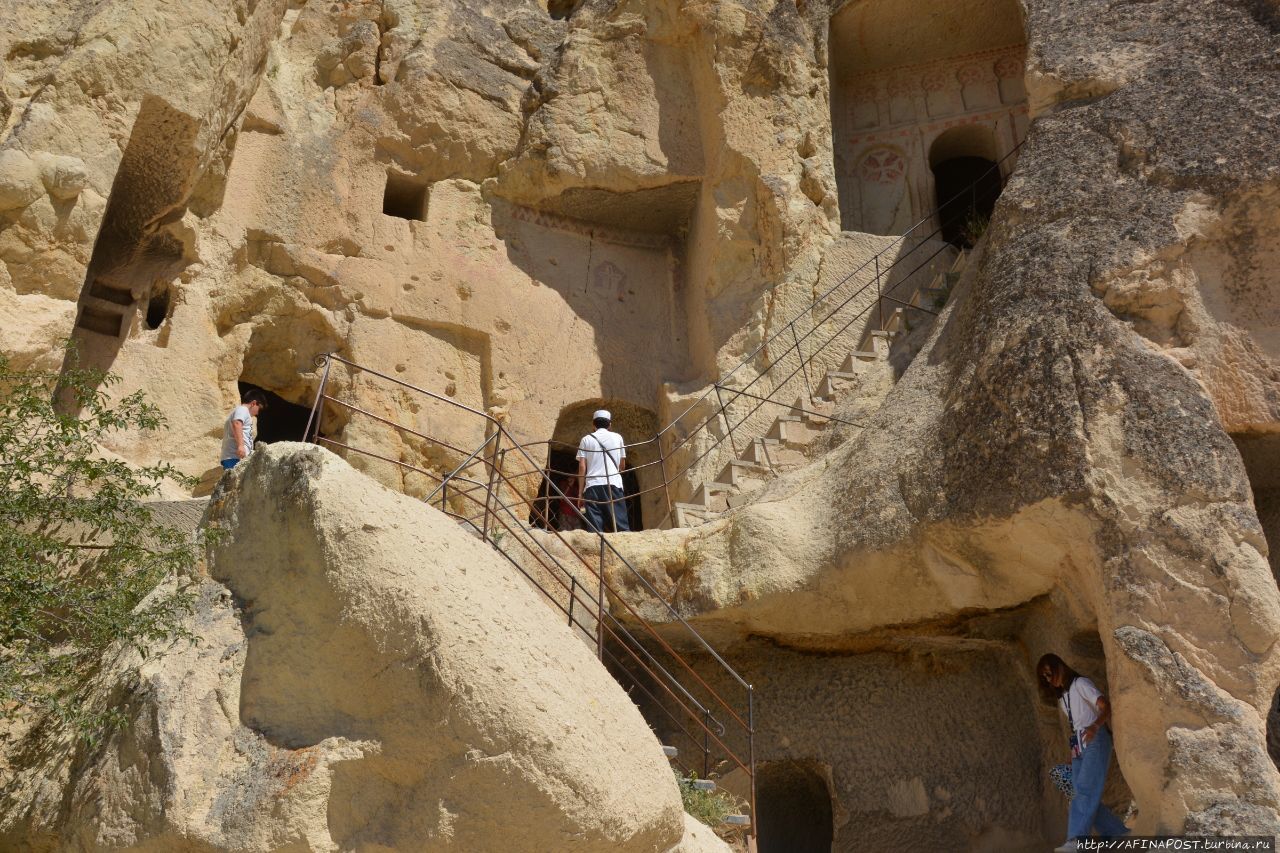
(882, 166)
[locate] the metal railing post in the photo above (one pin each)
(493, 476)
(666, 486)
(573, 593)
(706, 743)
(600, 605)
(803, 367)
(879, 303)
(751, 756)
(724, 413)
(317, 408)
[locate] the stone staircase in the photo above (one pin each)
(786, 443)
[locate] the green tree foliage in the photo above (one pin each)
(84, 567)
(709, 807)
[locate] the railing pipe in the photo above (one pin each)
(724, 413)
(600, 606)
(800, 355)
(466, 463)
(316, 407)
(751, 754)
(493, 476)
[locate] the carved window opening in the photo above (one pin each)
(157, 308)
(405, 198)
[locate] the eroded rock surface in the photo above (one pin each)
(534, 210)
(366, 677)
(1067, 431)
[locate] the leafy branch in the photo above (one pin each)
(84, 565)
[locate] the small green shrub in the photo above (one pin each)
(84, 567)
(709, 807)
(975, 225)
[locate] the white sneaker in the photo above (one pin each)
(1070, 847)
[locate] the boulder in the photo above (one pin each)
(366, 676)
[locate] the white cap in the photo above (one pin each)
(602, 413)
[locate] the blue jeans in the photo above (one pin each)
(1089, 775)
(601, 516)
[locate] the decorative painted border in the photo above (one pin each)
(591, 230)
(902, 131)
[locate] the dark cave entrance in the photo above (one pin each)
(794, 806)
(551, 512)
(281, 420)
(967, 189)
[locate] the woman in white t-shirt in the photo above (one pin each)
(1088, 714)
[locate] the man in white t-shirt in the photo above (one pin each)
(602, 456)
(238, 432)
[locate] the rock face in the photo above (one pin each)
(367, 677)
(535, 209)
(1065, 436)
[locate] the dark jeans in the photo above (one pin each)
(601, 516)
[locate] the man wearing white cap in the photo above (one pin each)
(601, 457)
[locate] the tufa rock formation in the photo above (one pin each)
(532, 210)
(362, 680)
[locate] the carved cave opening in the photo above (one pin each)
(157, 308)
(1261, 455)
(967, 191)
(904, 77)
(281, 420)
(794, 804)
(405, 197)
(139, 247)
(641, 480)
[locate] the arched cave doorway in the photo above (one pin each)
(967, 182)
(794, 805)
(903, 73)
(282, 420)
(640, 480)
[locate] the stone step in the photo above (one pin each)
(703, 784)
(690, 515)
(670, 751)
(815, 412)
(758, 453)
(712, 497)
(736, 820)
(835, 382)
(795, 432)
(737, 472)
(893, 321)
(875, 345)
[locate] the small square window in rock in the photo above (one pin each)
(405, 197)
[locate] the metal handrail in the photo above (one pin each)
(721, 387)
(491, 454)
